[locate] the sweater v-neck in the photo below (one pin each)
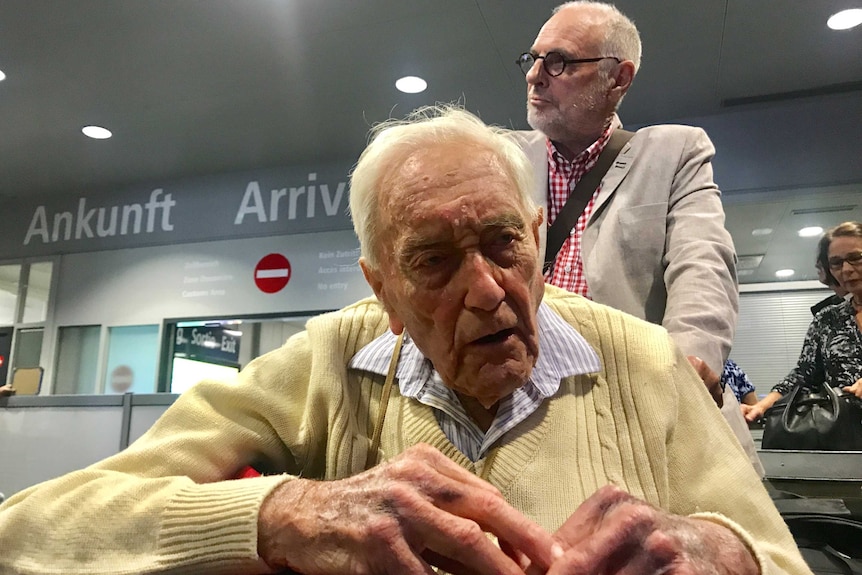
(503, 462)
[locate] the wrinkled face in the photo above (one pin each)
(460, 269)
(849, 276)
(577, 101)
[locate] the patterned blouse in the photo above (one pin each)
(737, 379)
(831, 353)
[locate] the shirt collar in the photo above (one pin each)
(582, 160)
(563, 352)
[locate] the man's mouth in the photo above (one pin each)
(497, 337)
(536, 99)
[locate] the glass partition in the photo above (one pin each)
(9, 285)
(77, 360)
(28, 347)
(195, 349)
(37, 292)
(25, 291)
(187, 372)
(132, 356)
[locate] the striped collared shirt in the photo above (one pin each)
(563, 353)
(563, 176)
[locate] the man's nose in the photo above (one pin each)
(536, 73)
(482, 283)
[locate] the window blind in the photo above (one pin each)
(770, 332)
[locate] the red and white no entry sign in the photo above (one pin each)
(272, 273)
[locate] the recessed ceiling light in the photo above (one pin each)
(784, 273)
(761, 231)
(2, 76)
(845, 19)
(411, 84)
(810, 231)
(749, 262)
(96, 132)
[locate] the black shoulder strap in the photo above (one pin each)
(580, 196)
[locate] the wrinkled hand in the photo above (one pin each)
(416, 510)
(711, 379)
(613, 532)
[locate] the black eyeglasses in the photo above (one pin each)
(853, 258)
(554, 63)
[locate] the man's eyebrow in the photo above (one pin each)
(421, 241)
(506, 221)
(562, 51)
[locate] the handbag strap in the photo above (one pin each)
(797, 399)
(371, 459)
(580, 196)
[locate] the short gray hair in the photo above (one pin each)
(621, 35)
(393, 141)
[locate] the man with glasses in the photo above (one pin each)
(650, 238)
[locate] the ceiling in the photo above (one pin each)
(202, 87)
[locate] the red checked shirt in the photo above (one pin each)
(563, 176)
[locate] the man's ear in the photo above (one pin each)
(375, 279)
(622, 79)
(537, 224)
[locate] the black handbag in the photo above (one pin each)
(827, 420)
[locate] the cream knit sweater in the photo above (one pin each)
(644, 423)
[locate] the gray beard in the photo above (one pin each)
(552, 125)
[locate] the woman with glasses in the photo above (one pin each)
(825, 277)
(832, 351)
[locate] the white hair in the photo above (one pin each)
(394, 141)
(621, 38)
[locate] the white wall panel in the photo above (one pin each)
(147, 285)
(40, 443)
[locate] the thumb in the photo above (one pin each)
(709, 377)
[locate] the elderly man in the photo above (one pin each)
(467, 418)
(648, 237)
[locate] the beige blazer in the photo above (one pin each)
(655, 245)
